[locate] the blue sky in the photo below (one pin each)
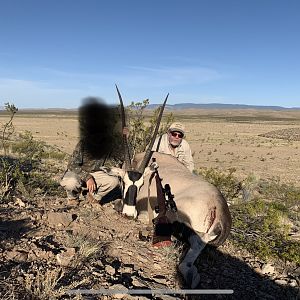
(54, 53)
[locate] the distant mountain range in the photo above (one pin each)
(180, 106)
(219, 106)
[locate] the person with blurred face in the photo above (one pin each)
(173, 143)
(99, 147)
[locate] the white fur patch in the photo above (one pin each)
(128, 182)
(129, 211)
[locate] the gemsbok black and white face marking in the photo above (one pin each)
(202, 214)
(133, 181)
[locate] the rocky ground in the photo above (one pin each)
(49, 248)
(289, 134)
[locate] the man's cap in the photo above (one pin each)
(176, 126)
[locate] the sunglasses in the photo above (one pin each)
(177, 134)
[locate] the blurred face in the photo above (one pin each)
(175, 138)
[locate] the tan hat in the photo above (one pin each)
(176, 126)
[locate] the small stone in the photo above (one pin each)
(142, 259)
(45, 254)
(19, 202)
(161, 280)
(16, 255)
(293, 283)
(126, 270)
(136, 282)
(110, 270)
(281, 281)
(268, 269)
(65, 258)
(157, 267)
(59, 219)
(257, 270)
(119, 288)
(297, 272)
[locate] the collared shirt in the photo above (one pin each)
(183, 152)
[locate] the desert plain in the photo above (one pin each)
(260, 143)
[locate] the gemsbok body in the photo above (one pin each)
(202, 212)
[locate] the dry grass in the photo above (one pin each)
(47, 284)
(87, 248)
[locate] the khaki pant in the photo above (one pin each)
(74, 185)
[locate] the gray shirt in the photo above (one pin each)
(183, 152)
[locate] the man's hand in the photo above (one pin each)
(91, 185)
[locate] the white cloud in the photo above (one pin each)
(61, 88)
(160, 77)
(27, 93)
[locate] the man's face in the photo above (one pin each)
(175, 138)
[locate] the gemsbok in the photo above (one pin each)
(202, 212)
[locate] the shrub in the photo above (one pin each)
(229, 186)
(140, 131)
(7, 129)
(258, 219)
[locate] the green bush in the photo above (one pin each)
(229, 186)
(7, 129)
(257, 226)
(27, 147)
(140, 130)
(33, 149)
(10, 173)
(258, 219)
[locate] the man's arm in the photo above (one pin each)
(188, 158)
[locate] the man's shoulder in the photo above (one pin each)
(185, 144)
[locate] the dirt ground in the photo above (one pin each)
(220, 139)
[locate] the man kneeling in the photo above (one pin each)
(84, 175)
(100, 147)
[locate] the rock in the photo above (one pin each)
(293, 283)
(137, 282)
(142, 259)
(110, 270)
(126, 270)
(119, 288)
(297, 272)
(19, 202)
(161, 280)
(65, 258)
(281, 281)
(268, 269)
(16, 255)
(56, 218)
(35, 254)
(257, 270)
